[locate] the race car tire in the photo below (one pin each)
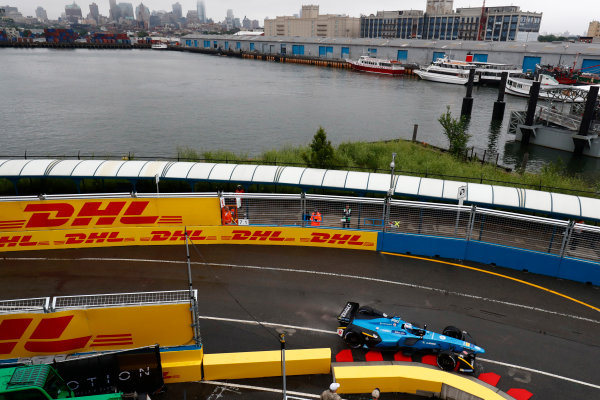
(453, 332)
(354, 340)
(446, 360)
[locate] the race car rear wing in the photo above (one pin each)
(347, 314)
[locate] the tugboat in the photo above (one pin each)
(377, 65)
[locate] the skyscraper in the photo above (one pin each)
(41, 14)
(73, 13)
(177, 12)
(94, 13)
(201, 11)
(142, 15)
(115, 11)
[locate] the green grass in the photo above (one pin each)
(414, 159)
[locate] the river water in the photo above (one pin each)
(58, 102)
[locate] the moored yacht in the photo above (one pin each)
(377, 65)
(448, 71)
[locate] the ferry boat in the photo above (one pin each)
(377, 65)
(550, 89)
(448, 71)
(492, 72)
(159, 46)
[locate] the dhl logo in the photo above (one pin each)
(46, 337)
(90, 213)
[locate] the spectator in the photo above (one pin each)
(346, 216)
(238, 200)
(226, 217)
(330, 394)
(315, 218)
(375, 394)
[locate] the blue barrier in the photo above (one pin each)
(489, 253)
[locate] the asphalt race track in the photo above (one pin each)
(543, 338)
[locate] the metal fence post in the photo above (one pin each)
(566, 238)
(471, 221)
(303, 208)
(386, 212)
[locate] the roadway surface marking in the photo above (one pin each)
(272, 324)
(496, 274)
(337, 275)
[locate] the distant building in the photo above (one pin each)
(126, 11)
(192, 17)
(94, 13)
(114, 11)
(142, 16)
(440, 22)
(73, 13)
(201, 8)
(41, 14)
(311, 24)
(177, 12)
(594, 29)
(246, 23)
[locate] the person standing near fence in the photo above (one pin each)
(375, 394)
(315, 218)
(238, 200)
(330, 394)
(347, 213)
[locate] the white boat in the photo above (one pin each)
(492, 72)
(159, 46)
(448, 71)
(550, 89)
(377, 65)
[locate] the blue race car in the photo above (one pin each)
(366, 327)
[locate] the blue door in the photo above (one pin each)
(480, 57)
(402, 55)
(345, 52)
(207, 44)
(322, 51)
(283, 49)
(438, 54)
(298, 49)
(251, 46)
(591, 66)
(529, 63)
(226, 45)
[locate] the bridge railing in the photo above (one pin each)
(471, 223)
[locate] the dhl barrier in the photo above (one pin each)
(96, 329)
(261, 364)
(103, 237)
(105, 213)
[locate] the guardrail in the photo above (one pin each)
(470, 223)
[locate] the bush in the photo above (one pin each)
(456, 132)
(321, 154)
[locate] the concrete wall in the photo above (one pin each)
(418, 51)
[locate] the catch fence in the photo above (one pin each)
(470, 223)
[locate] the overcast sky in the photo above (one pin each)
(559, 16)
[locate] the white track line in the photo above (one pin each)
(262, 389)
(341, 276)
(332, 274)
(302, 328)
(539, 372)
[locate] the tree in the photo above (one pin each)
(142, 34)
(321, 153)
(456, 132)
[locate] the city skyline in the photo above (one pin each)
(556, 18)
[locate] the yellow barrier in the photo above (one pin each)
(406, 378)
(16, 216)
(95, 329)
(182, 366)
(165, 235)
(260, 364)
